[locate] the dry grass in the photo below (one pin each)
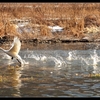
(73, 17)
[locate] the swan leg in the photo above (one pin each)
(18, 61)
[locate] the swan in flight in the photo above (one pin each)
(14, 50)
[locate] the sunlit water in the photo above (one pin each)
(51, 73)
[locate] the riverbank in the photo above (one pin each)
(54, 45)
(47, 22)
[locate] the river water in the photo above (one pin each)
(51, 72)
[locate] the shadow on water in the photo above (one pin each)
(51, 73)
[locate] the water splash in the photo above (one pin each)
(45, 57)
(25, 63)
(70, 56)
(95, 59)
(91, 63)
(60, 58)
(84, 60)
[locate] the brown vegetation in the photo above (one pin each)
(75, 18)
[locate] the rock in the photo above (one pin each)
(86, 39)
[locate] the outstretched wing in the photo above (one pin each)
(15, 46)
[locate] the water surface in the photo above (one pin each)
(51, 73)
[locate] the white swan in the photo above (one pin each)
(14, 50)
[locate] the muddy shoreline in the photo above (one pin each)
(50, 40)
(54, 44)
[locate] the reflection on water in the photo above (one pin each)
(51, 73)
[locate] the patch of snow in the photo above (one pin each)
(56, 28)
